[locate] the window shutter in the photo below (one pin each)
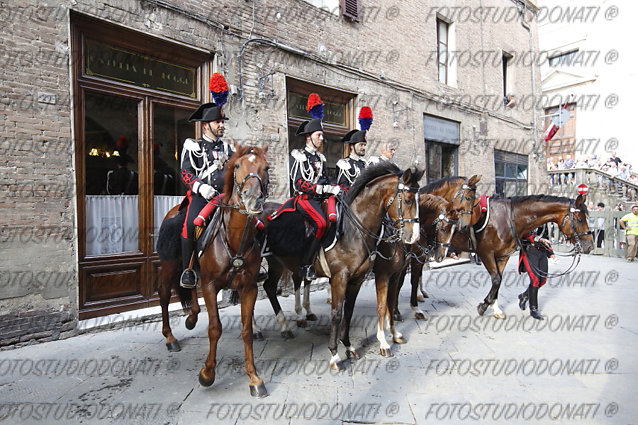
(350, 9)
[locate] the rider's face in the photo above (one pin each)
(215, 129)
(315, 140)
(360, 148)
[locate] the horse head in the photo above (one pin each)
(445, 225)
(402, 206)
(574, 225)
(464, 202)
(246, 182)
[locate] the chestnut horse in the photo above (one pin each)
(230, 261)
(381, 189)
(510, 219)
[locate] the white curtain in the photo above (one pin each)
(111, 224)
(161, 205)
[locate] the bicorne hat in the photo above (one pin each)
(213, 111)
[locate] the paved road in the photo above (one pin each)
(578, 366)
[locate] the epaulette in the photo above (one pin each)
(344, 164)
(192, 145)
(298, 155)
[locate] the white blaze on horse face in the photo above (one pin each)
(252, 158)
(416, 230)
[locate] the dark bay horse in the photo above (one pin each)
(437, 218)
(461, 192)
(518, 215)
(230, 261)
(380, 189)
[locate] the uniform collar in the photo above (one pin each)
(210, 139)
(310, 150)
(355, 157)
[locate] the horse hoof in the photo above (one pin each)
(499, 316)
(398, 317)
(203, 381)
(258, 336)
(400, 340)
(338, 367)
(352, 355)
(301, 323)
(258, 391)
(329, 300)
(173, 347)
(420, 298)
(311, 317)
(189, 324)
(420, 316)
(287, 334)
(481, 309)
(385, 352)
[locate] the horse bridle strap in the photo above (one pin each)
(459, 193)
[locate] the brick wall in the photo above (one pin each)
(387, 57)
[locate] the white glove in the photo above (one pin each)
(331, 189)
(207, 191)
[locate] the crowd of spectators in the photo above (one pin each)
(618, 173)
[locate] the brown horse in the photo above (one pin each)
(230, 261)
(510, 219)
(380, 189)
(460, 191)
(438, 218)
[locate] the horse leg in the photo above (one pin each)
(306, 302)
(191, 320)
(338, 289)
(416, 276)
(393, 283)
(275, 270)
(490, 264)
(167, 276)
(248, 296)
(498, 313)
(207, 373)
(352, 290)
(301, 322)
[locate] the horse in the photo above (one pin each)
(508, 220)
(231, 260)
(381, 189)
(438, 218)
(459, 190)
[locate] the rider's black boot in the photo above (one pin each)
(188, 280)
(533, 303)
(523, 297)
(306, 270)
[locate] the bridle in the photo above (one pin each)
(400, 222)
(576, 236)
(239, 187)
(437, 223)
(461, 193)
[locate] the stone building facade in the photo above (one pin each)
(93, 90)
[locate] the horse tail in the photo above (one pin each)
(185, 297)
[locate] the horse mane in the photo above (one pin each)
(368, 174)
(437, 184)
(431, 202)
(229, 175)
(547, 198)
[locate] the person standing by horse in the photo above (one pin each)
(533, 261)
(351, 166)
(387, 153)
(310, 180)
(629, 223)
(203, 165)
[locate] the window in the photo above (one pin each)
(564, 59)
(511, 173)
(442, 39)
(564, 141)
(331, 6)
(350, 9)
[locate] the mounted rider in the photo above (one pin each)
(203, 163)
(351, 166)
(310, 181)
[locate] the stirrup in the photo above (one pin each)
(308, 273)
(188, 279)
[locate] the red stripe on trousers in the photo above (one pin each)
(319, 220)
